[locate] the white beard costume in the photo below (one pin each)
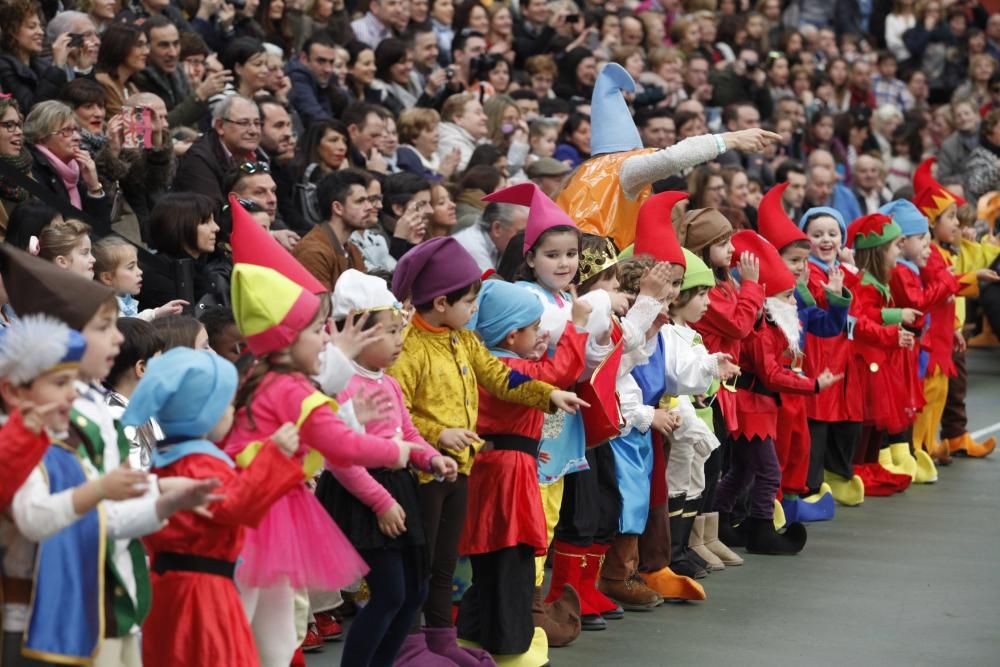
(785, 316)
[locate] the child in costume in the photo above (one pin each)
(196, 615)
(36, 286)
(605, 193)
(919, 283)
(764, 359)
(835, 417)
(551, 261)
(116, 264)
(54, 551)
(505, 525)
(693, 441)
(141, 343)
(970, 261)
(881, 337)
(283, 320)
(792, 443)
(732, 312)
(438, 370)
(378, 509)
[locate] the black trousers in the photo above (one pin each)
(591, 505)
(833, 446)
(443, 506)
(496, 609)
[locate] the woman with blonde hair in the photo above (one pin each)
(508, 132)
(418, 146)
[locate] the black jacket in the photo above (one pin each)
(162, 280)
(203, 168)
(29, 84)
(183, 106)
(98, 209)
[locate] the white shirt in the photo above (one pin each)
(479, 244)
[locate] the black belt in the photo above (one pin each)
(513, 443)
(750, 382)
(167, 561)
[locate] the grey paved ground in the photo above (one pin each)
(906, 580)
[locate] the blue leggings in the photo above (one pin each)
(397, 593)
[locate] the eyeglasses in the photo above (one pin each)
(255, 167)
(66, 132)
(244, 123)
(12, 125)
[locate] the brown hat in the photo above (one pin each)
(35, 286)
(546, 166)
(701, 228)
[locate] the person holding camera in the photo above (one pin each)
(75, 44)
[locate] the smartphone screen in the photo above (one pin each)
(138, 128)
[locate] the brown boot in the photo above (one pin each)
(561, 619)
(619, 579)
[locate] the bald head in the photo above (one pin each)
(822, 158)
(819, 186)
(157, 109)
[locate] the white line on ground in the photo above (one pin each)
(976, 435)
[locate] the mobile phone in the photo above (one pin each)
(75, 40)
(138, 128)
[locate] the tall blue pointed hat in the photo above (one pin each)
(610, 132)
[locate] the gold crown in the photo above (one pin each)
(595, 260)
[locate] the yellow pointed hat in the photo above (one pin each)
(270, 309)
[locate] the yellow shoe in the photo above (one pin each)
(902, 458)
(537, 654)
(885, 460)
(926, 472)
(850, 492)
(779, 515)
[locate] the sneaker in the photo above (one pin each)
(313, 640)
(327, 627)
(298, 660)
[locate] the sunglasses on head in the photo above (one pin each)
(255, 167)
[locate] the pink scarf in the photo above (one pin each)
(69, 173)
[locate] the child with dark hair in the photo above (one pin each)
(141, 343)
(181, 331)
(442, 280)
(224, 336)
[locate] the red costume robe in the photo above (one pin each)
(20, 450)
(197, 618)
(941, 334)
(505, 504)
(730, 318)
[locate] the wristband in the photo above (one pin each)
(720, 143)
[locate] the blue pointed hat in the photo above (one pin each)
(609, 131)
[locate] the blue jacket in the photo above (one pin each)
(818, 322)
(306, 96)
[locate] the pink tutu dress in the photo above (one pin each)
(297, 543)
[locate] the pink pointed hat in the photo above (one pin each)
(543, 215)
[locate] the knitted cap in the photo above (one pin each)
(252, 244)
(37, 344)
(696, 273)
(270, 310)
(774, 275)
(772, 221)
(432, 269)
(612, 129)
(357, 292)
(503, 308)
(909, 218)
(701, 228)
(929, 195)
(543, 213)
(654, 229)
(36, 286)
(870, 231)
(187, 391)
(818, 211)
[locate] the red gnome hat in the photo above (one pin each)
(654, 229)
(871, 231)
(929, 195)
(253, 245)
(773, 223)
(774, 275)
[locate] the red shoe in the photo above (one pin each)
(879, 481)
(327, 627)
(313, 640)
(298, 660)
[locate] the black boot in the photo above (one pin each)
(764, 539)
(730, 535)
(681, 561)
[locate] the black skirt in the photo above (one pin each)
(359, 522)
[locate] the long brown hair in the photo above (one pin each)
(873, 261)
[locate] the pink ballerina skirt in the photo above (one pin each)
(297, 542)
